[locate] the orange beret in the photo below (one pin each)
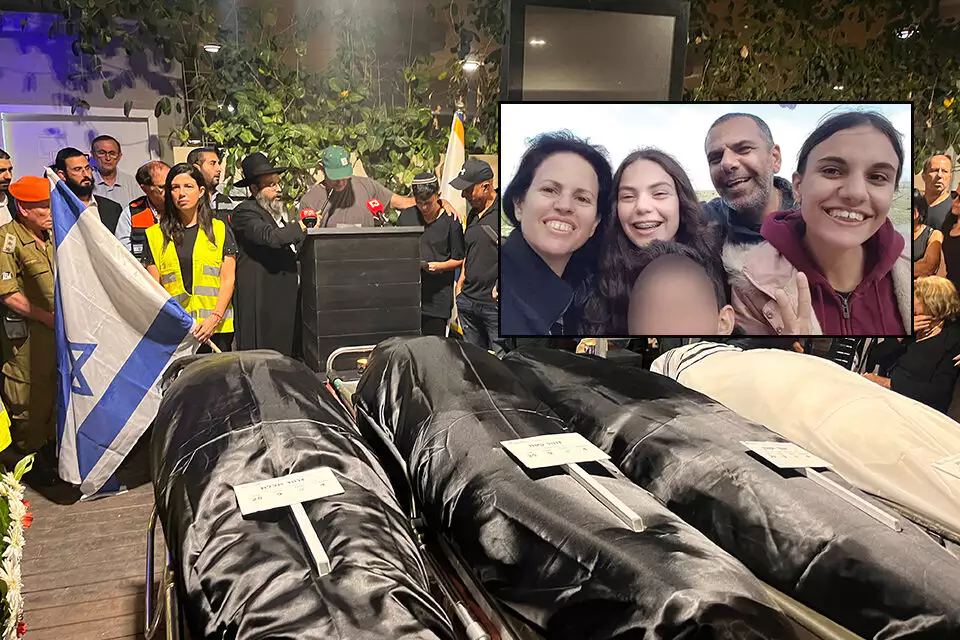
(31, 189)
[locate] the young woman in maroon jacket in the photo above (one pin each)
(839, 250)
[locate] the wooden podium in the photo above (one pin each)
(358, 286)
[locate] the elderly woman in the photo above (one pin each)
(923, 367)
(556, 201)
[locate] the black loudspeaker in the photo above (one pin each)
(358, 287)
(595, 50)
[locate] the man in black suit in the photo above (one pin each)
(268, 285)
(73, 167)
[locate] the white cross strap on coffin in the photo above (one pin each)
(292, 491)
(787, 455)
(568, 450)
(950, 466)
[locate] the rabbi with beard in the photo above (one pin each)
(266, 295)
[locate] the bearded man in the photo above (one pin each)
(744, 162)
(266, 298)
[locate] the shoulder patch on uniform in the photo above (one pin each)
(6, 276)
(9, 243)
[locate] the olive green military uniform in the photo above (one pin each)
(29, 369)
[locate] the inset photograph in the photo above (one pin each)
(696, 219)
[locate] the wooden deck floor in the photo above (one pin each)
(85, 562)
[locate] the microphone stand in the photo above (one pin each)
(322, 220)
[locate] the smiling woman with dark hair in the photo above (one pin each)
(841, 240)
(557, 200)
(654, 201)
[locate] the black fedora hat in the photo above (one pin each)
(254, 166)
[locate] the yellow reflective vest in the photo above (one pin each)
(207, 260)
(5, 438)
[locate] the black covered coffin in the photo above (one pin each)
(242, 417)
(538, 541)
(801, 539)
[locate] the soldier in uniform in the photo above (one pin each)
(26, 288)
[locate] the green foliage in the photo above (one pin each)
(23, 467)
(4, 520)
(832, 50)
(255, 94)
(480, 28)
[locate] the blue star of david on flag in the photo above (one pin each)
(79, 354)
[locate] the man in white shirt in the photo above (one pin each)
(108, 180)
(7, 207)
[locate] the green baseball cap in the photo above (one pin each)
(336, 163)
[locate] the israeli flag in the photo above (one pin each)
(117, 330)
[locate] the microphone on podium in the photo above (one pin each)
(376, 208)
(309, 217)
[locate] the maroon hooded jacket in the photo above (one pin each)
(872, 308)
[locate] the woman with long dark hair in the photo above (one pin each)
(654, 200)
(556, 201)
(193, 255)
(926, 240)
(841, 240)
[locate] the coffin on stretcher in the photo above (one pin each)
(877, 439)
(538, 541)
(242, 417)
(793, 534)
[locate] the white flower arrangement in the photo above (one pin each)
(15, 517)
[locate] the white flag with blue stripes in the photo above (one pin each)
(117, 330)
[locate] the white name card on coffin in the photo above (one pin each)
(568, 450)
(787, 455)
(292, 491)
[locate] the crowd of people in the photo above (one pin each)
(634, 252)
(234, 267)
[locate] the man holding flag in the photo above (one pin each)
(116, 332)
(26, 288)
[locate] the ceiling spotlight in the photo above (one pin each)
(212, 47)
(838, 87)
(470, 63)
(537, 42)
(908, 32)
(230, 108)
(194, 142)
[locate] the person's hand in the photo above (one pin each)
(451, 211)
(205, 330)
(921, 323)
(47, 319)
(880, 380)
(495, 294)
(799, 322)
(432, 267)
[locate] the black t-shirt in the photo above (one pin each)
(185, 253)
(925, 370)
(442, 240)
(483, 254)
(937, 214)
